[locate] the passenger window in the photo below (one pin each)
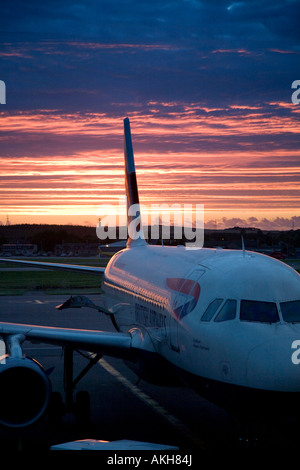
(211, 310)
(264, 312)
(291, 311)
(227, 312)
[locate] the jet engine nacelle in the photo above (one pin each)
(24, 391)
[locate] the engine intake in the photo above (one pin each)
(24, 391)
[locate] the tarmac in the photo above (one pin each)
(121, 407)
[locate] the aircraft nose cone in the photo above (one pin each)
(270, 367)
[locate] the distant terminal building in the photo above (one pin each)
(18, 249)
(112, 248)
(76, 249)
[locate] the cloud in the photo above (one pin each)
(144, 21)
(139, 51)
(204, 155)
(207, 86)
(277, 223)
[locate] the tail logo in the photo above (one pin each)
(186, 287)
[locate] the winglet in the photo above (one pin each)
(134, 221)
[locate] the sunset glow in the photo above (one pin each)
(243, 182)
(212, 120)
(230, 183)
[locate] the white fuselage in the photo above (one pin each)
(145, 288)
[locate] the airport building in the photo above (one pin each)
(76, 249)
(18, 249)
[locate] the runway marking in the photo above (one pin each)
(37, 301)
(153, 404)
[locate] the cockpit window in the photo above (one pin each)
(227, 312)
(211, 310)
(291, 311)
(255, 311)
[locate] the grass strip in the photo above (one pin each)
(18, 282)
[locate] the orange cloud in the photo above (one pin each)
(231, 174)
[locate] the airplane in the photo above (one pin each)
(224, 322)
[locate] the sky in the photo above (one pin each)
(207, 86)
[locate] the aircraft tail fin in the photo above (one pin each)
(134, 221)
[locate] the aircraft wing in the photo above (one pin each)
(103, 342)
(113, 344)
(25, 385)
(58, 266)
